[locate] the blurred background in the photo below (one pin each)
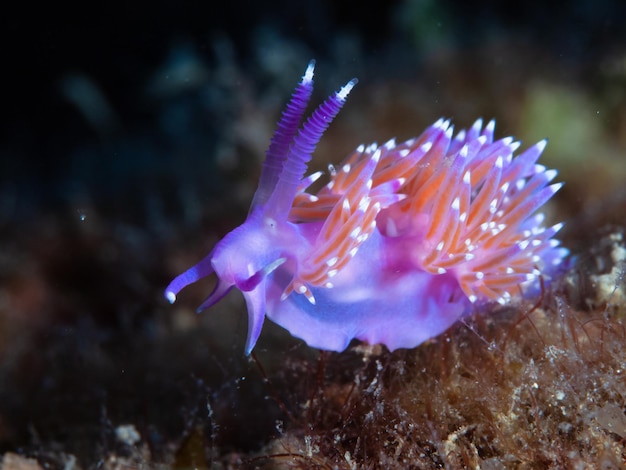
(131, 140)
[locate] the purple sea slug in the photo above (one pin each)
(402, 241)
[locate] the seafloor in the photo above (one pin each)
(132, 139)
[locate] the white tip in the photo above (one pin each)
(426, 146)
(555, 187)
(551, 174)
(467, 177)
(345, 90)
(170, 296)
(464, 151)
(308, 74)
(541, 145)
(391, 143)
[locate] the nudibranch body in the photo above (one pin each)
(402, 241)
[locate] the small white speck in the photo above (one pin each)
(467, 178)
(391, 143)
(364, 203)
(332, 261)
(555, 187)
(127, 434)
(551, 174)
(426, 146)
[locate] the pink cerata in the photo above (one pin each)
(402, 242)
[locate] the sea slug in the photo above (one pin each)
(401, 242)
